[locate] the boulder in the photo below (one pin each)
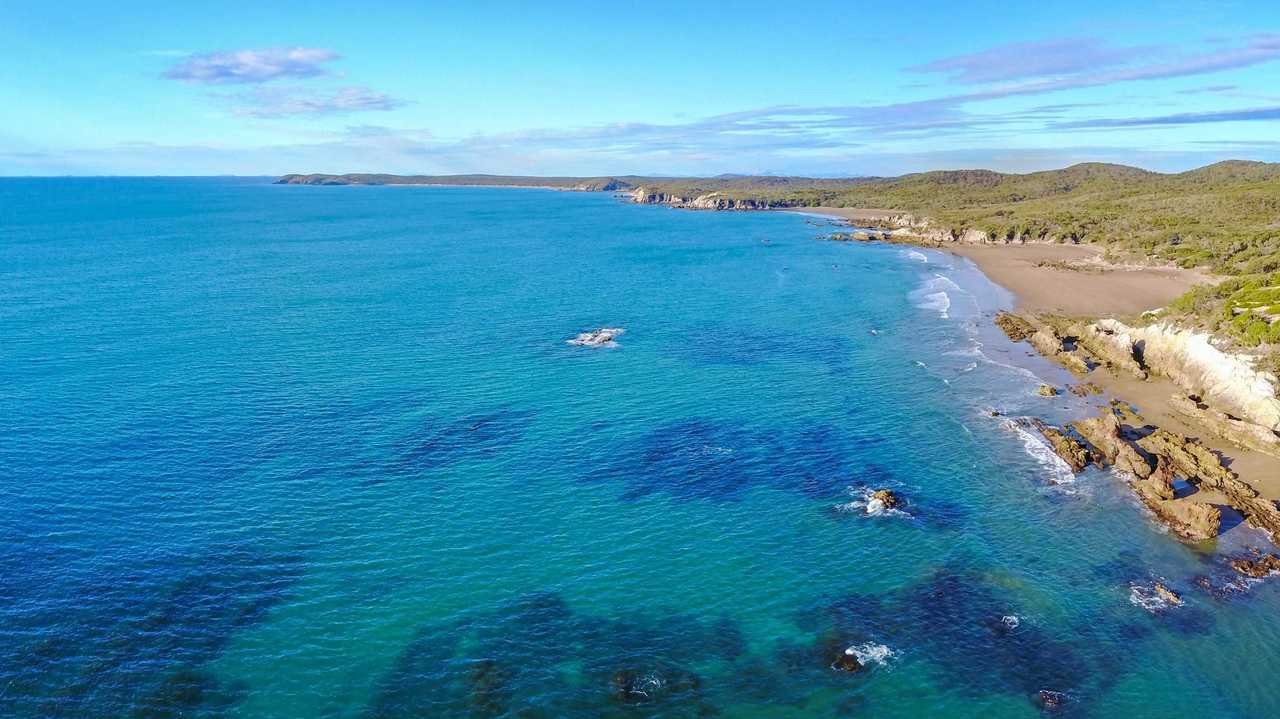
(1047, 391)
(1084, 390)
(886, 497)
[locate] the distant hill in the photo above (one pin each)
(586, 184)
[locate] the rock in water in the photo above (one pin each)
(847, 661)
(603, 337)
(1072, 451)
(886, 498)
(1257, 568)
(1047, 391)
(1049, 700)
(1167, 594)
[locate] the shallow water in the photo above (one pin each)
(278, 451)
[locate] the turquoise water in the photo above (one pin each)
(278, 451)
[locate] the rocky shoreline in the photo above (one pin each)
(1188, 487)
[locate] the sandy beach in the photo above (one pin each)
(1075, 280)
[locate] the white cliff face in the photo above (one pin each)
(1224, 380)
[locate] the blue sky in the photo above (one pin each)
(590, 88)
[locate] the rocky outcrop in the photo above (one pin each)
(1047, 339)
(1222, 391)
(603, 337)
(1194, 521)
(886, 498)
(1116, 348)
(708, 201)
(1220, 379)
(1105, 433)
(1263, 566)
(1072, 451)
(1155, 459)
(1017, 328)
(1046, 390)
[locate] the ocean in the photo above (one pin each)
(291, 451)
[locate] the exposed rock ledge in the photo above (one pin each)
(1220, 379)
(1222, 391)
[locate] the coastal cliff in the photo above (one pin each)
(709, 201)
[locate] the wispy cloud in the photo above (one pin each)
(270, 102)
(1256, 114)
(1000, 63)
(1017, 61)
(252, 66)
(1208, 89)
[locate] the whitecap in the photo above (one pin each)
(871, 653)
(933, 295)
(1011, 621)
(1059, 471)
(1147, 597)
(914, 255)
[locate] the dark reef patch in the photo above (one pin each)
(136, 643)
(535, 657)
(956, 621)
(478, 436)
(706, 459)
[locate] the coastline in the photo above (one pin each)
(1075, 281)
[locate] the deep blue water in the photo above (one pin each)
(278, 451)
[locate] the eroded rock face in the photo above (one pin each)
(1236, 431)
(1223, 380)
(1187, 458)
(1115, 346)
